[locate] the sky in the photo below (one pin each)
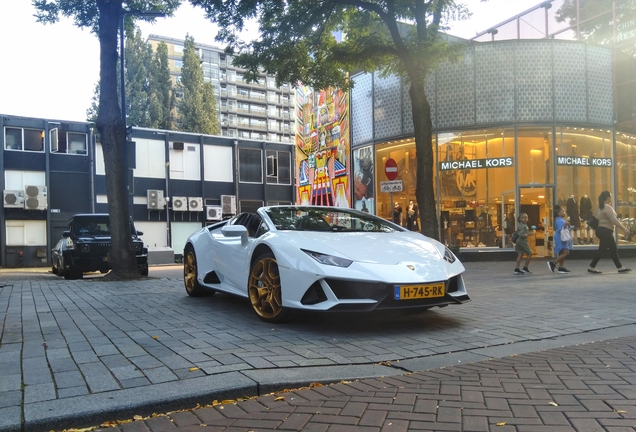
(50, 71)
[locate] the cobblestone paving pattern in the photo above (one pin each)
(589, 387)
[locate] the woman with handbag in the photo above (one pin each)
(562, 241)
(607, 220)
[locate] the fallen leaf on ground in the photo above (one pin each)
(192, 369)
(280, 398)
(554, 404)
(501, 424)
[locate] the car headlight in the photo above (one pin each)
(137, 246)
(449, 256)
(85, 248)
(328, 259)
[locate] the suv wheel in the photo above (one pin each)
(73, 273)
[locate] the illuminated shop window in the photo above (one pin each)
(626, 184)
(476, 187)
(584, 169)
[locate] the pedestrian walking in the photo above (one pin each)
(521, 245)
(607, 220)
(562, 245)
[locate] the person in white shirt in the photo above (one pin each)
(607, 220)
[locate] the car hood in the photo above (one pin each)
(380, 248)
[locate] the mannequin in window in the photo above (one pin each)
(412, 214)
(575, 221)
(397, 213)
(585, 210)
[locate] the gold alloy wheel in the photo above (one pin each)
(264, 289)
(190, 274)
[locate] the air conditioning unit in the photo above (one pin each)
(35, 198)
(13, 199)
(228, 202)
(195, 204)
(179, 204)
(214, 212)
(156, 200)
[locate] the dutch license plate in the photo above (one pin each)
(413, 292)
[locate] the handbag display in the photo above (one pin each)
(565, 234)
(592, 222)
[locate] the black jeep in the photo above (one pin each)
(88, 243)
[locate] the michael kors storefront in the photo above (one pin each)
(520, 126)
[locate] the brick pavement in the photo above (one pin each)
(590, 387)
(81, 352)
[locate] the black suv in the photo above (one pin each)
(87, 245)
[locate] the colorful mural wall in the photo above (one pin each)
(322, 147)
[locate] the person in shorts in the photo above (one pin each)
(522, 247)
(561, 248)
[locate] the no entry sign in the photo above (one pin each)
(390, 169)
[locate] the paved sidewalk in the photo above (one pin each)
(78, 353)
(589, 387)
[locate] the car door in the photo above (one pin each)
(232, 256)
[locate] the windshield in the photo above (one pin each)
(93, 226)
(327, 219)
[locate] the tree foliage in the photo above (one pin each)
(103, 17)
(150, 96)
(162, 95)
(197, 103)
(402, 37)
(137, 68)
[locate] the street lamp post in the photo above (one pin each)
(122, 90)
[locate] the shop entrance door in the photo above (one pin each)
(536, 202)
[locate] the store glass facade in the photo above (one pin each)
(529, 118)
(486, 177)
(626, 184)
(506, 141)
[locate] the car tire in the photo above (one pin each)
(73, 273)
(60, 268)
(190, 275)
(53, 270)
(144, 270)
(265, 291)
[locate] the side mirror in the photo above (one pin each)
(234, 231)
(140, 233)
(66, 234)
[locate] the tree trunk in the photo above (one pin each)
(112, 131)
(424, 190)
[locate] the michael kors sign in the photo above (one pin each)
(584, 161)
(466, 164)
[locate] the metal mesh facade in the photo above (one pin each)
(526, 81)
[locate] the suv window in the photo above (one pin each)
(92, 226)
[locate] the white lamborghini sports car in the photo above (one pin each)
(321, 259)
